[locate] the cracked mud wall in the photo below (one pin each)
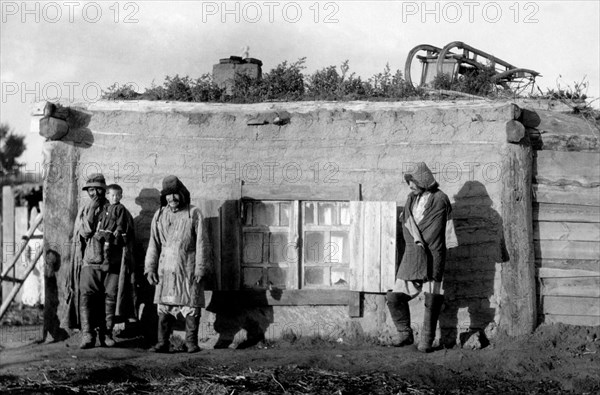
(211, 147)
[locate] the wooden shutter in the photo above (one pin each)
(230, 245)
(212, 224)
(373, 243)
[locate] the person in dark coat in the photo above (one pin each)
(177, 260)
(112, 228)
(426, 224)
(97, 292)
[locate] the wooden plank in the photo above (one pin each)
(292, 255)
(231, 242)
(566, 273)
(224, 300)
(8, 237)
(567, 168)
(216, 233)
(562, 123)
(556, 142)
(576, 286)
(566, 195)
(558, 249)
(573, 231)
(210, 210)
(571, 305)
(388, 245)
(21, 224)
(566, 213)
(565, 132)
(354, 309)
(356, 245)
(17, 286)
(372, 247)
(518, 315)
(580, 320)
(590, 265)
(313, 191)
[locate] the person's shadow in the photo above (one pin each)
(237, 310)
(149, 201)
(471, 267)
(51, 299)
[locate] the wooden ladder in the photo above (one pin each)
(18, 282)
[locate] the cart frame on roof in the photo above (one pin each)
(439, 61)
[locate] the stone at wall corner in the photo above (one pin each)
(515, 131)
(53, 128)
(529, 119)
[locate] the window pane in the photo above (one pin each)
(328, 214)
(247, 214)
(314, 245)
(316, 276)
(284, 214)
(345, 213)
(309, 213)
(264, 214)
(278, 248)
(339, 277)
(253, 277)
(339, 249)
(276, 277)
(253, 247)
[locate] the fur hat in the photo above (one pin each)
(95, 180)
(172, 185)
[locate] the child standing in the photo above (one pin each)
(110, 238)
(112, 227)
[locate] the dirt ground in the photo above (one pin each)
(555, 359)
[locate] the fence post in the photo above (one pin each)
(8, 233)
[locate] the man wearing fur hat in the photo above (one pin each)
(426, 224)
(98, 284)
(177, 260)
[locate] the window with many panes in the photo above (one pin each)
(295, 244)
(269, 256)
(325, 228)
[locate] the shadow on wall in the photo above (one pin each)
(51, 320)
(471, 267)
(231, 311)
(234, 312)
(149, 201)
(79, 134)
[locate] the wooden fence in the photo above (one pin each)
(14, 226)
(567, 220)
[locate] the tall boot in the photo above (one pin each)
(109, 323)
(88, 336)
(192, 322)
(433, 307)
(397, 303)
(164, 333)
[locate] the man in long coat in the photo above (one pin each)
(426, 220)
(177, 260)
(96, 293)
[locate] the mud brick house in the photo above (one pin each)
(302, 200)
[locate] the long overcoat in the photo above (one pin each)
(178, 251)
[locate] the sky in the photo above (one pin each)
(73, 49)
